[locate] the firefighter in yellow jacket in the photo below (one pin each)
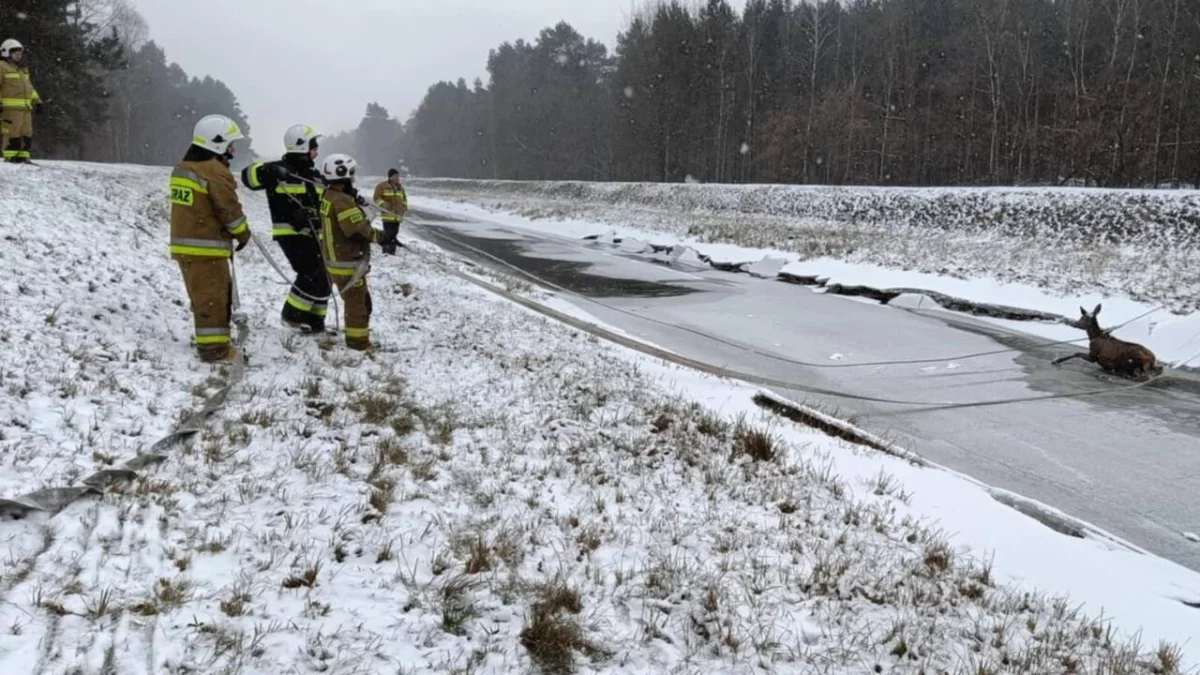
(390, 196)
(206, 220)
(19, 101)
(346, 237)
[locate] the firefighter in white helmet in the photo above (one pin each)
(206, 222)
(293, 187)
(19, 100)
(346, 237)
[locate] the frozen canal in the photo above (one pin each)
(1128, 462)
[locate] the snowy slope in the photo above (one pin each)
(488, 491)
(1149, 286)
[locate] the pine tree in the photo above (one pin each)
(378, 140)
(67, 65)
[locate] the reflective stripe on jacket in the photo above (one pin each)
(346, 232)
(393, 199)
(293, 203)
(16, 90)
(206, 216)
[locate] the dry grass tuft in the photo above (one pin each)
(374, 408)
(1170, 659)
(457, 607)
(710, 424)
(259, 418)
(165, 596)
(306, 579)
(552, 634)
(386, 553)
(236, 604)
(479, 558)
(390, 453)
(101, 604)
(938, 557)
(753, 443)
(383, 493)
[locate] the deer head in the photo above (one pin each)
(1088, 322)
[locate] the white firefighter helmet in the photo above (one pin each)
(300, 138)
(339, 167)
(216, 133)
(7, 47)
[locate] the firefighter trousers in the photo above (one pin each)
(210, 289)
(357, 301)
(307, 301)
(17, 140)
(392, 227)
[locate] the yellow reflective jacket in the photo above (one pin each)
(393, 199)
(346, 232)
(206, 215)
(16, 90)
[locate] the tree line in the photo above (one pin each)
(884, 92)
(377, 143)
(111, 95)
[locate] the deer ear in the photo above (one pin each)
(1096, 311)
(1083, 312)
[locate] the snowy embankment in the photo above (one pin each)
(489, 491)
(1047, 251)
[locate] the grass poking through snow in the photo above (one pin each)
(489, 492)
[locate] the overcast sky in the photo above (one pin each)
(320, 62)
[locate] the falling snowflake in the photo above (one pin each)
(22, 16)
(628, 92)
(745, 148)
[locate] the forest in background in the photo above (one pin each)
(110, 94)
(849, 92)
(867, 92)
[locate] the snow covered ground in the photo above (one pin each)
(489, 491)
(1151, 278)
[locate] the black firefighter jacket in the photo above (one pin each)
(293, 203)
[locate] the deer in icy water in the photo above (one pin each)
(1110, 353)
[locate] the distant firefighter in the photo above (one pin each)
(19, 100)
(391, 197)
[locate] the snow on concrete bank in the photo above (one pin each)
(487, 491)
(1174, 337)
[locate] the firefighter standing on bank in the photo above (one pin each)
(293, 196)
(346, 238)
(19, 100)
(206, 220)
(391, 197)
